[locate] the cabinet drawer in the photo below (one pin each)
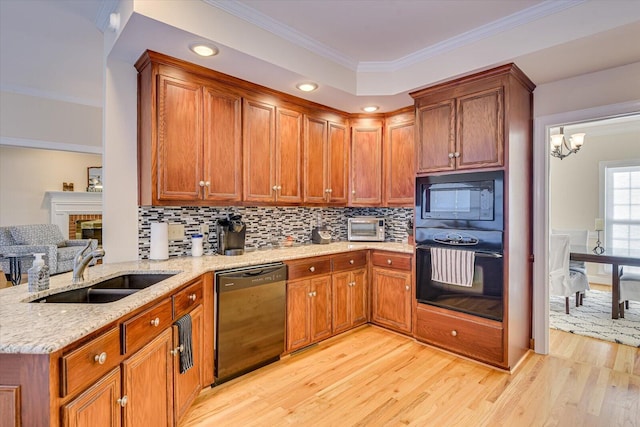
(308, 267)
(187, 299)
(481, 339)
(349, 261)
(142, 328)
(389, 260)
(86, 364)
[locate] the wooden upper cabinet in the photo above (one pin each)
(179, 148)
(222, 145)
(326, 146)
(272, 142)
(398, 160)
(463, 131)
(366, 163)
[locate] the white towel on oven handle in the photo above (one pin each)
(452, 266)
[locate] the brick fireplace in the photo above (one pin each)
(70, 209)
(85, 226)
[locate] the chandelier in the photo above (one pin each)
(559, 143)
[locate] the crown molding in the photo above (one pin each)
(248, 14)
(49, 145)
(292, 35)
(55, 96)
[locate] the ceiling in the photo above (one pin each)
(358, 51)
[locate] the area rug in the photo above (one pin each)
(593, 319)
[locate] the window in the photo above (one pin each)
(622, 206)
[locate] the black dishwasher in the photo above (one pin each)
(250, 318)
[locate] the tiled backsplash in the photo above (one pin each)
(264, 224)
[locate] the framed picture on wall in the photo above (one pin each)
(94, 178)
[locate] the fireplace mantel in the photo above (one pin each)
(64, 203)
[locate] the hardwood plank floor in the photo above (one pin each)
(372, 377)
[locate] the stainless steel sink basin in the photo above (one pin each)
(108, 290)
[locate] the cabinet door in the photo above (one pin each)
(435, 147)
(392, 299)
(315, 160)
(187, 385)
(358, 303)
(298, 314)
(480, 129)
(366, 164)
(337, 163)
(258, 151)
(288, 156)
(96, 407)
(340, 290)
(321, 308)
(148, 384)
(222, 145)
(399, 165)
(179, 146)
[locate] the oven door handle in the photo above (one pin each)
(481, 254)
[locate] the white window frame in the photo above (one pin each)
(605, 209)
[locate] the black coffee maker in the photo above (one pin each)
(231, 233)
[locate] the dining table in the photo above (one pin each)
(616, 257)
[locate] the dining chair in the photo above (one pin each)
(562, 281)
(577, 237)
(629, 288)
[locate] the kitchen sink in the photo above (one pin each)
(108, 290)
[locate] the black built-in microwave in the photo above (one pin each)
(471, 200)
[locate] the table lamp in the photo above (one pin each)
(599, 250)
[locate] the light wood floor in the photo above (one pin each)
(372, 377)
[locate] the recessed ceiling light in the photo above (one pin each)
(307, 87)
(204, 49)
(370, 108)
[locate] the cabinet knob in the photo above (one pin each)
(451, 155)
(279, 187)
(351, 261)
(389, 262)
(123, 401)
(326, 190)
(353, 191)
(456, 154)
(274, 188)
(315, 294)
(312, 269)
(310, 294)
(177, 350)
(155, 322)
(101, 358)
(192, 297)
(201, 183)
(454, 333)
(329, 190)
(207, 183)
(407, 287)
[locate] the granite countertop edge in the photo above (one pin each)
(33, 328)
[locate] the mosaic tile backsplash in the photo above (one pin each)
(266, 226)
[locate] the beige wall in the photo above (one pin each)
(29, 120)
(27, 173)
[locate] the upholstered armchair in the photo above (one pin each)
(41, 238)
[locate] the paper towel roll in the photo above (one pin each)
(159, 241)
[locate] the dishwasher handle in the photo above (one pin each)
(231, 280)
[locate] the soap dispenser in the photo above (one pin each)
(38, 275)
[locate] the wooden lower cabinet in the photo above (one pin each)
(97, 406)
(391, 298)
(187, 385)
(148, 384)
(349, 296)
(308, 311)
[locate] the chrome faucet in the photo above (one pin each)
(82, 260)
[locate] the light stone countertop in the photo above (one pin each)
(45, 328)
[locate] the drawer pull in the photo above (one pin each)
(389, 262)
(101, 358)
(351, 261)
(192, 297)
(155, 322)
(454, 333)
(123, 401)
(312, 269)
(177, 350)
